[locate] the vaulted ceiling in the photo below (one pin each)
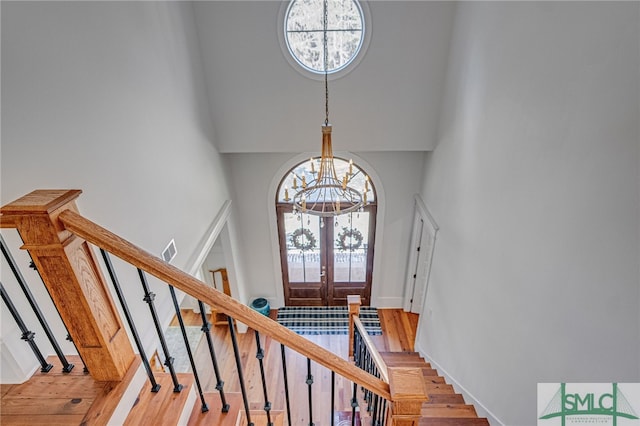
(261, 103)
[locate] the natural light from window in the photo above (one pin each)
(304, 33)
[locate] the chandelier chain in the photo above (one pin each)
(326, 63)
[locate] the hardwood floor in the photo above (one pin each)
(55, 398)
(398, 334)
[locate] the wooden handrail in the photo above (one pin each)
(375, 355)
(100, 237)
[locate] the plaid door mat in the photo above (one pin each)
(326, 320)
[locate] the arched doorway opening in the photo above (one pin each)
(324, 259)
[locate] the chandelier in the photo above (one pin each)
(328, 194)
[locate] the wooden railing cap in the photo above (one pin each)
(40, 201)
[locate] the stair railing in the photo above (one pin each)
(27, 334)
(406, 384)
(57, 237)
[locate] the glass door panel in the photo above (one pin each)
(303, 248)
(302, 253)
(350, 246)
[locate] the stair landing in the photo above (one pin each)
(57, 398)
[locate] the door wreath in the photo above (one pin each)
(303, 239)
(353, 235)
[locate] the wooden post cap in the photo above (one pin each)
(40, 201)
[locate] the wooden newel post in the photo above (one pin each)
(354, 303)
(407, 395)
(75, 282)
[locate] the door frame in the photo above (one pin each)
(271, 195)
(420, 257)
(329, 292)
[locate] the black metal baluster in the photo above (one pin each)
(368, 393)
(384, 413)
(66, 365)
(70, 339)
(381, 410)
(260, 357)
(365, 394)
(356, 346)
(374, 416)
(236, 353)
(333, 397)
(286, 383)
(206, 328)
(27, 335)
(155, 386)
(309, 384)
(196, 377)
(354, 403)
(149, 297)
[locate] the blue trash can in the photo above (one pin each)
(261, 305)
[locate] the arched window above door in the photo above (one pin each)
(307, 170)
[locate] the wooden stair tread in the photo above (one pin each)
(259, 418)
(429, 372)
(62, 398)
(386, 355)
(445, 398)
(404, 359)
(434, 379)
(215, 416)
(170, 404)
(453, 421)
(448, 410)
(438, 388)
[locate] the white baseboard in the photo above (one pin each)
(468, 397)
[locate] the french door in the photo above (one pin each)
(325, 259)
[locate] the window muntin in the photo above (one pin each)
(304, 33)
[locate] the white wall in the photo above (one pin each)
(253, 175)
(109, 97)
(260, 103)
(534, 185)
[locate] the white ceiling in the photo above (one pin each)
(260, 103)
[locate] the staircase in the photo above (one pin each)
(444, 407)
(61, 243)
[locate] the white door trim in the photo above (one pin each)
(423, 241)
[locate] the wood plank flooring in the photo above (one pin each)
(52, 398)
(58, 399)
(398, 335)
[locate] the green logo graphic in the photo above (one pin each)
(613, 404)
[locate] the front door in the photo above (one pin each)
(325, 259)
